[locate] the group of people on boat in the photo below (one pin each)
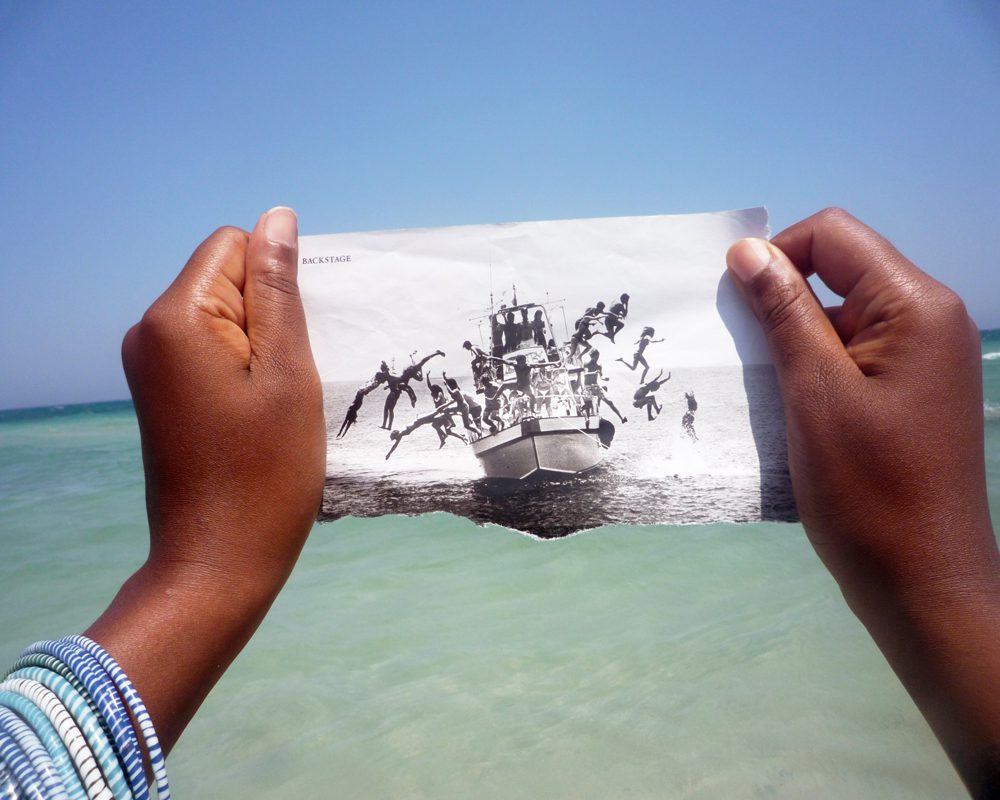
(556, 381)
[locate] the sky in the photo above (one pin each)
(128, 132)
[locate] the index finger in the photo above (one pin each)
(842, 250)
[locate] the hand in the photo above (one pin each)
(883, 402)
(231, 418)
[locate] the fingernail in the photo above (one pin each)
(748, 257)
(281, 226)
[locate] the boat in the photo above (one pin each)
(565, 434)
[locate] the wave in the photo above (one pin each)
(990, 411)
(991, 356)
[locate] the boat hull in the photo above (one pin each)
(547, 447)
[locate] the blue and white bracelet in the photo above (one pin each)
(70, 727)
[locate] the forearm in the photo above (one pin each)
(175, 634)
(942, 638)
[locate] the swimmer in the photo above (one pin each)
(637, 357)
(687, 421)
(645, 396)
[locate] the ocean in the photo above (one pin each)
(429, 657)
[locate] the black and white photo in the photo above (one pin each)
(549, 377)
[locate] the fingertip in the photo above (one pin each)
(747, 257)
(280, 226)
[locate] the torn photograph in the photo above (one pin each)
(549, 377)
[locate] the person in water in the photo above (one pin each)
(687, 421)
(593, 392)
(645, 396)
(638, 356)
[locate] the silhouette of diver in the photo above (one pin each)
(352, 412)
(439, 419)
(638, 357)
(614, 319)
(396, 384)
(687, 421)
(645, 396)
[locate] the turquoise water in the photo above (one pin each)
(429, 657)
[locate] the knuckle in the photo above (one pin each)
(834, 215)
(276, 278)
(230, 235)
(781, 305)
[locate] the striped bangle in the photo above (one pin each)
(9, 790)
(91, 680)
(70, 722)
(89, 723)
(39, 723)
(70, 733)
(23, 771)
(136, 706)
(32, 747)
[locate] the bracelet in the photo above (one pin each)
(38, 756)
(136, 706)
(82, 756)
(25, 775)
(87, 676)
(36, 719)
(88, 722)
(70, 722)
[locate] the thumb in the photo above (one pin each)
(803, 344)
(276, 324)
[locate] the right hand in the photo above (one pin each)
(883, 400)
(884, 410)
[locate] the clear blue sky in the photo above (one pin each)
(127, 134)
